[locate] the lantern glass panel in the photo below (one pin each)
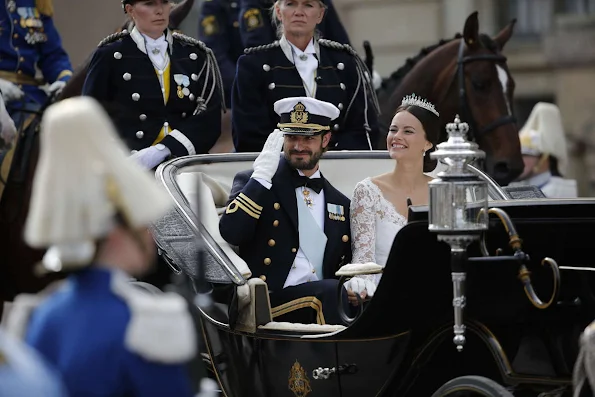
(456, 206)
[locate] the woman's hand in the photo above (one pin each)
(357, 285)
(352, 296)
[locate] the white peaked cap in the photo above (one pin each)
(84, 177)
(313, 106)
(543, 133)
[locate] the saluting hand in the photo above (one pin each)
(267, 161)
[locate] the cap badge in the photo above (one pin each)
(299, 114)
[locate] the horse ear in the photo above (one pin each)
(471, 30)
(502, 38)
(179, 13)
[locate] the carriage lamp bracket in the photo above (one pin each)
(342, 314)
(326, 373)
(523, 259)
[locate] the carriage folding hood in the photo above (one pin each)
(458, 210)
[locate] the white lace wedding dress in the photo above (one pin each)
(374, 225)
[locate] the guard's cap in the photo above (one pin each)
(305, 116)
(543, 134)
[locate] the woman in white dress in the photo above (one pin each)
(379, 204)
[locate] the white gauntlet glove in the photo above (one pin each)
(359, 285)
(267, 161)
(56, 87)
(10, 91)
(152, 156)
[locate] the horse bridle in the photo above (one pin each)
(466, 114)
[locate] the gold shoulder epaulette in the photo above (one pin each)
(113, 37)
(189, 40)
(261, 47)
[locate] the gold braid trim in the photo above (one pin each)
(45, 7)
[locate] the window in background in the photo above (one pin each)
(579, 7)
(534, 17)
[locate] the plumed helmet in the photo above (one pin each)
(84, 179)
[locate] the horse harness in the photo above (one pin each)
(467, 115)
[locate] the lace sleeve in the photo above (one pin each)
(363, 225)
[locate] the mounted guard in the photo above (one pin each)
(162, 89)
(302, 64)
(543, 144)
(30, 41)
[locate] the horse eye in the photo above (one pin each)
(479, 85)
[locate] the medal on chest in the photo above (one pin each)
(182, 80)
(307, 198)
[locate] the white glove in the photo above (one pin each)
(267, 161)
(359, 285)
(10, 91)
(56, 88)
(152, 156)
(208, 388)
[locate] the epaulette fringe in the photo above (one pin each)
(265, 47)
(189, 40)
(113, 37)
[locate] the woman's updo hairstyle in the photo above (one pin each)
(429, 119)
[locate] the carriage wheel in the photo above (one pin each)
(472, 386)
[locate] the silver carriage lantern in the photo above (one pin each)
(457, 198)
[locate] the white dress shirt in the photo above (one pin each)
(306, 68)
(302, 270)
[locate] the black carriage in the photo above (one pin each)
(401, 345)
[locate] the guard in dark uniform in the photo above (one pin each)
(268, 73)
(219, 29)
(256, 28)
(29, 40)
(290, 223)
(164, 95)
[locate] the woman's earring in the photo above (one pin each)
(424, 154)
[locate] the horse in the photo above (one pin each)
(18, 260)
(468, 76)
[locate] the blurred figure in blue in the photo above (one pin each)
(23, 372)
(256, 27)
(91, 207)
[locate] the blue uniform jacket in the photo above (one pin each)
(24, 373)
(263, 223)
(257, 29)
(82, 330)
(265, 75)
(29, 39)
(122, 77)
(219, 30)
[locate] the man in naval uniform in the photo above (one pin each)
(256, 28)
(543, 145)
(29, 40)
(290, 223)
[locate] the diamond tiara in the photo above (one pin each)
(422, 103)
